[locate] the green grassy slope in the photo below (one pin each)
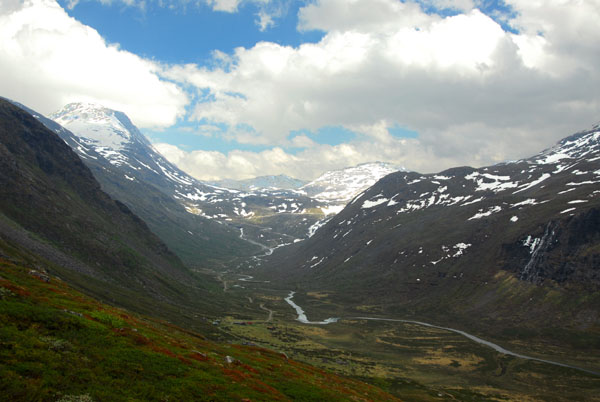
(57, 344)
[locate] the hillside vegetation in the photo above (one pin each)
(58, 344)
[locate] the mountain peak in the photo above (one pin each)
(98, 125)
(342, 185)
(375, 163)
(88, 110)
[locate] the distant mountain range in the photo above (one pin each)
(335, 187)
(515, 242)
(202, 223)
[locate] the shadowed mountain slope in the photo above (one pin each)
(145, 188)
(52, 207)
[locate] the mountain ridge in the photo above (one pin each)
(509, 246)
(219, 209)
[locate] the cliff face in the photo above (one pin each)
(566, 251)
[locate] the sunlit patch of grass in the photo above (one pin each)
(318, 295)
(440, 357)
(369, 309)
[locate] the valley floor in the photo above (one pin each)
(412, 361)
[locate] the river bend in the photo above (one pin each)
(304, 319)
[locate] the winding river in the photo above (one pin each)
(304, 319)
(266, 249)
(249, 278)
(302, 315)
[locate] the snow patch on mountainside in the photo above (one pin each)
(332, 209)
(486, 181)
(483, 214)
(374, 203)
(533, 183)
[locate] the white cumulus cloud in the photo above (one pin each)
(460, 5)
(49, 59)
(229, 6)
(468, 87)
(474, 92)
(306, 164)
(560, 36)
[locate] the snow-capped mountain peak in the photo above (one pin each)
(342, 185)
(122, 157)
(98, 125)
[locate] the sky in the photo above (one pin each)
(243, 88)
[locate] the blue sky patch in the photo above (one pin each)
(200, 137)
(330, 135)
(186, 34)
(401, 132)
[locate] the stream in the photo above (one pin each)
(302, 315)
(266, 249)
(304, 319)
(249, 278)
